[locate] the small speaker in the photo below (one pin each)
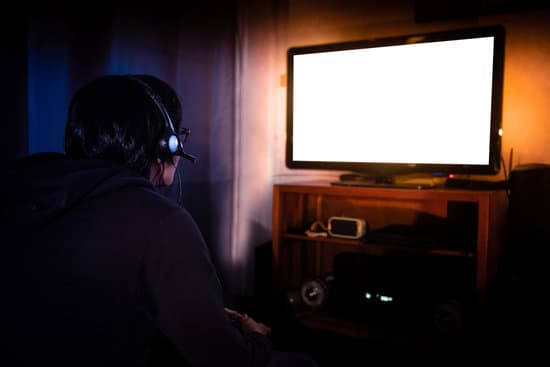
(530, 200)
(346, 227)
(315, 291)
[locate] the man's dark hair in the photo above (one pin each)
(114, 118)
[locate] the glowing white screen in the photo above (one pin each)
(427, 103)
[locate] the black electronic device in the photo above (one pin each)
(530, 200)
(404, 288)
(474, 184)
(427, 103)
(523, 270)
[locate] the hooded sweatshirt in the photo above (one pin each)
(100, 269)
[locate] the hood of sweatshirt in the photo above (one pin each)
(38, 188)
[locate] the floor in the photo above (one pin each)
(503, 333)
(499, 338)
(329, 349)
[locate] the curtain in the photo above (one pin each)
(260, 112)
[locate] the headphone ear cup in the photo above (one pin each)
(169, 147)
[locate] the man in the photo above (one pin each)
(95, 273)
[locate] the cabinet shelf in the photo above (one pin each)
(377, 248)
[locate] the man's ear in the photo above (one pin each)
(156, 165)
(157, 169)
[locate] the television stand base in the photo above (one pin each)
(357, 179)
(417, 186)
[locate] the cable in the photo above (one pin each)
(180, 196)
(507, 174)
(503, 163)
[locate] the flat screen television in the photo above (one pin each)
(425, 103)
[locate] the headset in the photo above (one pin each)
(170, 145)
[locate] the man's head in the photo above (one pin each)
(129, 120)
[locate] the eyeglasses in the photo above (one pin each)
(183, 136)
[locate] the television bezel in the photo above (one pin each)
(376, 168)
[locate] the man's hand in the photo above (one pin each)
(248, 324)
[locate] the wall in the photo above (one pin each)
(525, 119)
